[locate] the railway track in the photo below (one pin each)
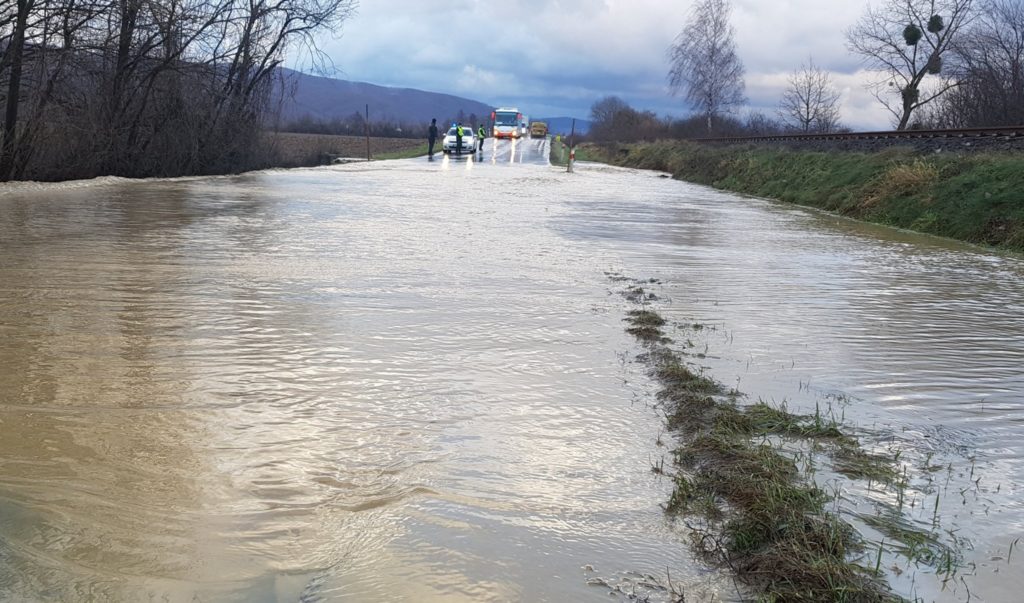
(1006, 133)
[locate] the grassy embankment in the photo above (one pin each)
(744, 480)
(978, 197)
(559, 153)
(294, 150)
(419, 150)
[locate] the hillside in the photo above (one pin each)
(323, 98)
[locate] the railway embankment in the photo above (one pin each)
(977, 197)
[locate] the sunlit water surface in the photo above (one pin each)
(409, 380)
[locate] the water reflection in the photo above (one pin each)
(225, 389)
(409, 380)
(916, 339)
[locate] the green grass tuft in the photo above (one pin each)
(758, 513)
(409, 153)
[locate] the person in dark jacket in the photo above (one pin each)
(431, 137)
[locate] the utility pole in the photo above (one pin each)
(367, 122)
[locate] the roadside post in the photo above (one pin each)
(367, 122)
(572, 147)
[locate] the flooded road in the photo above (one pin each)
(409, 380)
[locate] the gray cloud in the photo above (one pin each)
(559, 56)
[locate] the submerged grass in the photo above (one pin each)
(856, 463)
(973, 197)
(760, 516)
(920, 546)
(645, 324)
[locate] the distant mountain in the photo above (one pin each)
(323, 98)
(563, 125)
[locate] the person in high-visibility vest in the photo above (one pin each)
(458, 138)
(481, 134)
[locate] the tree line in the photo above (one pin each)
(145, 87)
(936, 64)
(356, 125)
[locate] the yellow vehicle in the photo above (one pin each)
(538, 129)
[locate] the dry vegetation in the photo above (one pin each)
(317, 149)
(146, 88)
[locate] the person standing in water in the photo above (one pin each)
(431, 137)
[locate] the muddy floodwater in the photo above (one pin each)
(409, 381)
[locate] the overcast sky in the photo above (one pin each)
(556, 57)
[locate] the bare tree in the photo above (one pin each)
(37, 38)
(613, 119)
(145, 87)
(704, 62)
(605, 109)
(989, 64)
(811, 102)
(13, 57)
(905, 42)
(759, 124)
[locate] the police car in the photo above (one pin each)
(451, 141)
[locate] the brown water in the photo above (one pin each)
(409, 381)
